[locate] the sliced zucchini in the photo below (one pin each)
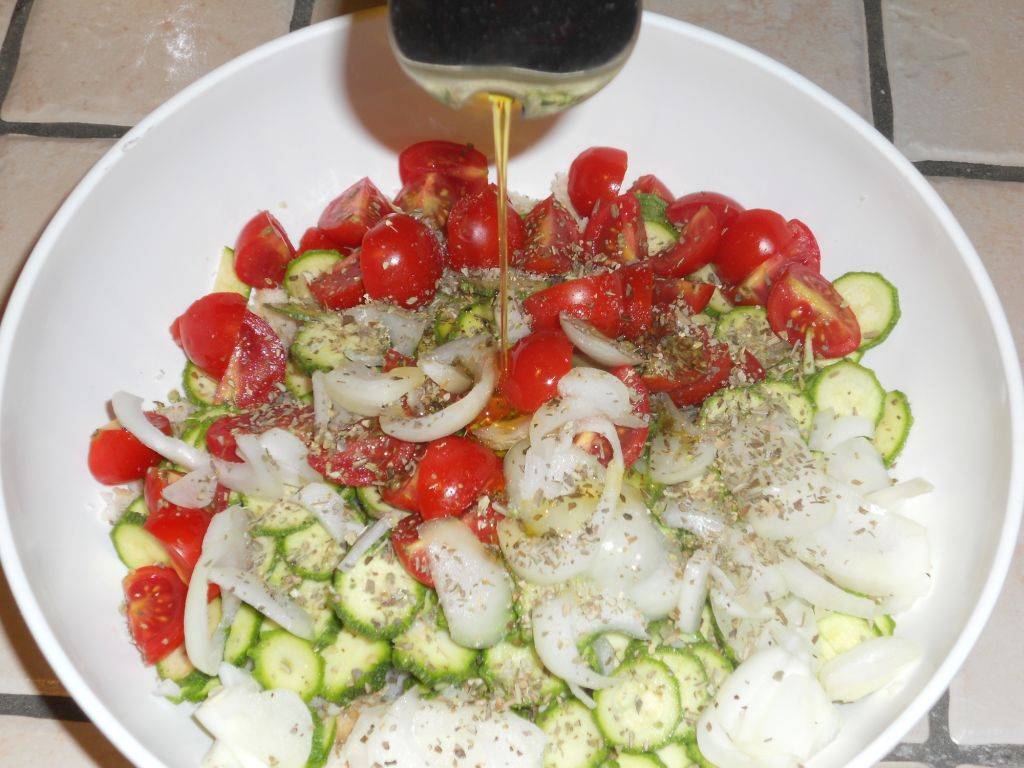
(244, 632)
(641, 711)
(694, 753)
(652, 207)
(473, 320)
(200, 388)
(371, 502)
(325, 343)
(716, 666)
(747, 328)
(137, 511)
(282, 660)
(298, 383)
(281, 577)
(311, 552)
(304, 269)
(301, 311)
(893, 428)
(573, 738)
(325, 730)
(136, 546)
(282, 518)
(838, 633)
(427, 651)
(227, 280)
(885, 625)
(175, 666)
(193, 685)
(517, 676)
(693, 686)
(444, 322)
(377, 597)
(646, 760)
(353, 666)
(875, 302)
(605, 652)
(660, 236)
(848, 388)
(797, 402)
(727, 402)
(674, 755)
(316, 597)
(266, 556)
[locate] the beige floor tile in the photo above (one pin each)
(824, 40)
(919, 733)
(29, 743)
(901, 765)
(328, 9)
(114, 61)
(22, 667)
(957, 71)
(37, 175)
(6, 9)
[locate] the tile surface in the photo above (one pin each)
(957, 72)
(6, 9)
(114, 61)
(26, 741)
(37, 175)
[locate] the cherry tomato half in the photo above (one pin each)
(696, 248)
(347, 217)
(220, 437)
(552, 238)
(429, 198)
(801, 249)
(689, 369)
(631, 439)
(315, 239)
(483, 522)
(598, 299)
(209, 329)
(616, 230)
(462, 163)
(453, 474)
(155, 598)
(536, 363)
(180, 529)
(753, 237)
(473, 231)
(256, 367)
(682, 210)
(637, 300)
(401, 261)
(342, 286)
(116, 456)
(403, 492)
(803, 301)
(368, 457)
(696, 296)
(596, 174)
(262, 252)
(411, 552)
(651, 185)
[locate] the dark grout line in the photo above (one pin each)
(65, 130)
(302, 14)
(42, 707)
(960, 170)
(10, 50)
(878, 69)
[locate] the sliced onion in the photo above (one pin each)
(329, 507)
(271, 461)
(596, 345)
(285, 327)
(549, 468)
(548, 559)
(821, 593)
(231, 676)
(367, 391)
(194, 490)
(447, 421)
(518, 320)
(704, 524)
(796, 507)
(829, 431)
(892, 496)
(867, 667)
(502, 435)
(858, 463)
(678, 455)
(322, 406)
(373, 533)
(286, 456)
(440, 364)
(128, 410)
(473, 587)
(658, 595)
(405, 329)
(616, 469)
(693, 593)
(632, 548)
(253, 590)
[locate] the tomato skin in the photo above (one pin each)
(155, 599)
(256, 367)
(551, 236)
(697, 246)
(536, 363)
(631, 440)
(262, 252)
(116, 456)
(411, 552)
(220, 437)
(340, 288)
(453, 473)
(696, 296)
(700, 368)
(403, 492)
(801, 249)
(395, 359)
(483, 523)
(347, 217)
(463, 164)
(596, 174)
(179, 529)
(753, 237)
(638, 300)
(651, 185)
(370, 459)
(752, 367)
(429, 198)
(683, 209)
(401, 261)
(473, 231)
(315, 239)
(209, 328)
(801, 300)
(598, 299)
(616, 230)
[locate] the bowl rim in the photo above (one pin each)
(874, 751)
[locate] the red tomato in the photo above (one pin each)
(220, 437)
(696, 296)
(753, 237)
(315, 239)
(682, 210)
(652, 185)
(411, 552)
(453, 474)
(429, 198)
(262, 252)
(209, 329)
(803, 301)
(347, 217)
(536, 363)
(473, 231)
(552, 236)
(752, 367)
(340, 288)
(801, 249)
(401, 261)
(617, 230)
(462, 163)
(638, 298)
(155, 598)
(598, 299)
(692, 369)
(181, 530)
(632, 440)
(256, 367)
(596, 174)
(395, 359)
(498, 408)
(116, 456)
(367, 458)
(403, 492)
(483, 523)
(696, 248)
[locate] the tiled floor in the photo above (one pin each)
(944, 78)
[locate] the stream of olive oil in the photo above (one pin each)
(501, 108)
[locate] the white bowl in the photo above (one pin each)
(294, 122)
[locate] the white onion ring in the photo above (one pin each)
(366, 391)
(546, 560)
(340, 520)
(440, 363)
(829, 431)
(373, 533)
(678, 455)
(892, 496)
(858, 463)
(252, 590)
(867, 667)
(596, 345)
(194, 490)
(128, 410)
(502, 435)
(694, 592)
(704, 524)
(821, 593)
(405, 329)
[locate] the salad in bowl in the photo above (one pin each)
(661, 528)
